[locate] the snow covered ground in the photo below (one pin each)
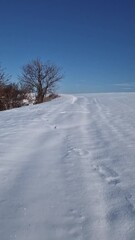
(67, 169)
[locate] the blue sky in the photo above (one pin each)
(92, 40)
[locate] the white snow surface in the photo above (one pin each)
(67, 169)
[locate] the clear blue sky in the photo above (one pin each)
(92, 40)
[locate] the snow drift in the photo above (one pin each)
(67, 169)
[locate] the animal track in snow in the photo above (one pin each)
(108, 174)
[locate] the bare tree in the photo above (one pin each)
(10, 94)
(40, 78)
(4, 78)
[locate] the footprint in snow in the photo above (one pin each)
(131, 201)
(81, 152)
(74, 222)
(108, 174)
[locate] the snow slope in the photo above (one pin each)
(67, 169)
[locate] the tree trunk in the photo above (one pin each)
(40, 97)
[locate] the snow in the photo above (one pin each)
(67, 169)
